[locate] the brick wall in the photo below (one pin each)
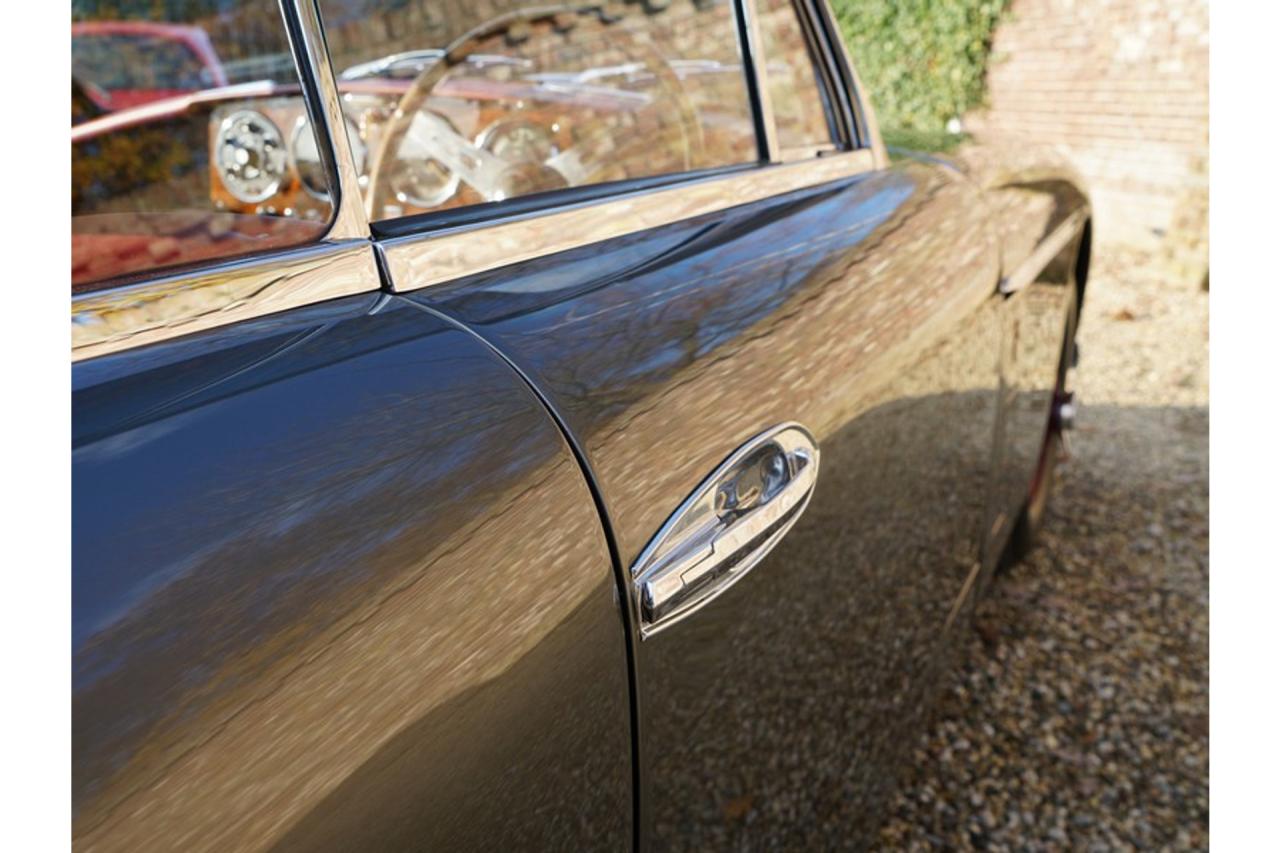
(1123, 86)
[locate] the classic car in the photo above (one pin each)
(515, 426)
(124, 64)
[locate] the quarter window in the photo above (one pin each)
(189, 137)
(461, 104)
(799, 101)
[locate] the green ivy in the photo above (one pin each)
(922, 62)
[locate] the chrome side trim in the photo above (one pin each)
(108, 321)
(324, 108)
(419, 261)
(755, 48)
(842, 112)
(1049, 247)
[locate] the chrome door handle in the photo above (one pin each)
(722, 530)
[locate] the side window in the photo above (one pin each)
(799, 100)
(189, 137)
(465, 103)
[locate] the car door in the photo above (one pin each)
(338, 581)
(691, 243)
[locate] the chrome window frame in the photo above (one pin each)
(433, 257)
(820, 31)
(757, 80)
(147, 308)
(324, 108)
(837, 104)
(421, 254)
(862, 116)
(346, 260)
(553, 200)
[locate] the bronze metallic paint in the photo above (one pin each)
(865, 309)
(338, 584)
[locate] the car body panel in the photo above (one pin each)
(338, 583)
(864, 309)
(353, 573)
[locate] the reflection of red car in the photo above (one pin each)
(122, 64)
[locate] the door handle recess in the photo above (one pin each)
(730, 522)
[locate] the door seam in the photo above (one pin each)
(602, 511)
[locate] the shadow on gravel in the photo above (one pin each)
(1080, 713)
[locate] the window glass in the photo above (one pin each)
(454, 104)
(795, 93)
(189, 137)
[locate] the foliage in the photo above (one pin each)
(910, 139)
(922, 62)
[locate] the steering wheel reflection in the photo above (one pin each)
(536, 129)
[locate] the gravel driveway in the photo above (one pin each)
(1080, 716)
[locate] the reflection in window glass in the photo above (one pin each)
(796, 96)
(189, 137)
(459, 104)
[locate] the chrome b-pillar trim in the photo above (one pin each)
(324, 108)
(754, 50)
